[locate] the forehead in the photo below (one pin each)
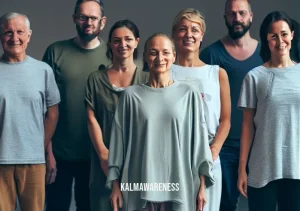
(279, 26)
(122, 31)
(89, 8)
(16, 22)
(238, 5)
(185, 21)
(160, 42)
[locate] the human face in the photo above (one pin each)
(123, 43)
(238, 18)
(88, 21)
(159, 55)
(280, 38)
(188, 35)
(15, 37)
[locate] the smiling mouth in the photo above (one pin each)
(188, 42)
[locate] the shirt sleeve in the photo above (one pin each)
(202, 158)
(52, 92)
(117, 144)
(248, 98)
(90, 92)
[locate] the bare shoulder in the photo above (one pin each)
(222, 74)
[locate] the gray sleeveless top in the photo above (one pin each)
(208, 76)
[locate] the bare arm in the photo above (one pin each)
(201, 198)
(50, 124)
(224, 125)
(246, 137)
(246, 142)
(95, 133)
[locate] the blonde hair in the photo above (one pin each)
(192, 15)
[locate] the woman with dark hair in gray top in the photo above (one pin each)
(270, 99)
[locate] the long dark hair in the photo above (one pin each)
(122, 24)
(272, 17)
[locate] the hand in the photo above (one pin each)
(201, 199)
(104, 161)
(243, 183)
(116, 196)
(215, 150)
(50, 168)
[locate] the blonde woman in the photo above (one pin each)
(188, 31)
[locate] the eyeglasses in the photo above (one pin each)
(86, 18)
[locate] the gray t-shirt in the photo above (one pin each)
(275, 94)
(27, 88)
(159, 135)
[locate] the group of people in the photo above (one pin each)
(213, 124)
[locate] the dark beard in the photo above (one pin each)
(86, 37)
(237, 34)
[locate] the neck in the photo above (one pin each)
(159, 80)
(123, 65)
(244, 41)
(87, 44)
(280, 62)
(12, 59)
(188, 59)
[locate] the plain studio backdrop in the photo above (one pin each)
(52, 20)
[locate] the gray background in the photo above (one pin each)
(52, 20)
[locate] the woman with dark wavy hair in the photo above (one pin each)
(103, 90)
(270, 99)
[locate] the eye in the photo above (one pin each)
(153, 53)
(129, 39)
(116, 41)
(182, 29)
(242, 13)
(20, 32)
(94, 18)
(285, 34)
(195, 30)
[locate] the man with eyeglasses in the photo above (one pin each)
(72, 61)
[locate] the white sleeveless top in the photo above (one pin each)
(208, 76)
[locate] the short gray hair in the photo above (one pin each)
(12, 15)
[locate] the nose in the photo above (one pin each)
(123, 42)
(14, 36)
(237, 17)
(89, 21)
(188, 33)
(279, 39)
(160, 57)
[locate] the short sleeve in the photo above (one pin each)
(248, 98)
(90, 92)
(52, 93)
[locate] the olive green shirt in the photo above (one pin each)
(103, 98)
(72, 66)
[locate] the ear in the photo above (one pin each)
(292, 35)
(251, 16)
(29, 35)
(174, 59)
(137, 40)
(74, 18)
(102, 22)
